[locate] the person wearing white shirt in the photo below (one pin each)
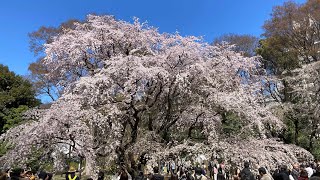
(309, 171)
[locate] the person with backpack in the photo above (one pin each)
(246, 174)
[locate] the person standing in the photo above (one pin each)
(174, 176)
(215, 169)
(183, 175)
(303, 175)
(210, 168)
(309, 170)
(317, 173)
(156, 175)
(72, 174)
(204, 169)
(140, 176)
(198, 175)
(263, 174)
(100, 175)
(173, 167)
(165, 168)
(295, 171)
(123, 175)
(221, 171)
(236, 175)
(246, 174)
(283, 173)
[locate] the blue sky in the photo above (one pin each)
(208, 18)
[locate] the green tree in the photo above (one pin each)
(292, 36)
(245, 44)
(290, 50)
(275, 58)
(231, 123)
(16, 96)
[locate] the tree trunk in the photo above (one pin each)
(310, 143)
(285, 91)
(190, 131)
(80, 166)
(296, 131)
(150, 123)
(89, 167)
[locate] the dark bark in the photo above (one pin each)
(193, 124)
(296, 131)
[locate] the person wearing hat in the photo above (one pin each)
(72, 174)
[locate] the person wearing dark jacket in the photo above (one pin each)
(140, 176)
(303, 175)
(100, 175)
(295, 171)
(317, 173)
(174, 176)
(283, 174)
(246, 174)
(124, 175)
(156, 175)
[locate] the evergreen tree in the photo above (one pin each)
(16, 96)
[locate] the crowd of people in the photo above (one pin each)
(21, 174)
(170, 171)
(218, 171)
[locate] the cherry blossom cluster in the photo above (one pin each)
(129, 88)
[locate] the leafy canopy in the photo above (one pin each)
(16, 96)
